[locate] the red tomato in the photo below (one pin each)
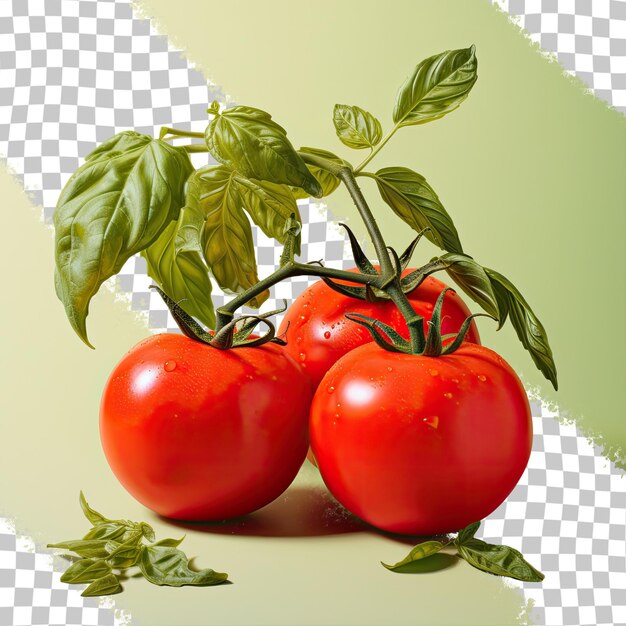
(197, 433)
(421, 445)
(318, 333)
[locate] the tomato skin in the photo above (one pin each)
(318, 333)
(198, 433)
(421, 445)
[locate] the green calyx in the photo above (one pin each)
(110, 547)
(433, 343)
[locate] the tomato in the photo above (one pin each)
(198, 433)
(318, 333)
(421, 445)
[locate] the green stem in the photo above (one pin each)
(292, 268)
(175, 132)
(376, 150)
(194, 147)
(389, 274)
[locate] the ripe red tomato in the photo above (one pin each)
(318, 333)
(421, 445)
(198, 433)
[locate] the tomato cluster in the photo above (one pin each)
(410, 444)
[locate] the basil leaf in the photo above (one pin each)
(88, 548)
(355, 127)
(164, 565)
(269, 205)
(108, 531)
(436, 87)
(182, 274)
(169, 543)
(91, 514)
(529, 329)
(105, 586)
(123, 555)
(85, 571)
(328, 182)
(467, 533)
(249, 141)
(218, 225)
(146, 531)
(413, 200)
(473, 279)
(115, 205)
(499, 560)
(420, 551)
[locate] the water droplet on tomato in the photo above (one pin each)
(432, 421)
(169, 366)
(327, 335)
(455, 381)
(330, 389)
(274, 377)
(302, 356)
(482, 378)
(390, 369)
(302, 317)
(298, 339)
(338, 404)
(447, 395)
(336, 414)
(433, 372)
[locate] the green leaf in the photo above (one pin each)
(85, 571)
(473, 279)
(115, 205)
(181, 274)
(163, 565)
(328, 182)
(355, 127)
(420, 551)
(169, 543)
(105, 586)
(87, 548)
(529, 329)
(269, 205)
(108, 531)
(220, 228)
(413, 200)
(436, 87)
(499, 560)
(123, 555)
(249, 141)
(467, 533)
(91, 514)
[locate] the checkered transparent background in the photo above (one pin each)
(73, 73)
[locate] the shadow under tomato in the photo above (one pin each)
(299, 512)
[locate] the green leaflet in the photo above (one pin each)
(413, 200)
(437, 86)
(473, 279)
(499, 560)
(122, 546)
(420, 551)
(86, 571)
(269, 205)
(105, 586)
(249, 141)
(216, 224)
(164, 565)
(328, 182)
(355, 127)
(529, 329)
(182, 274)
(115, 205)
(467, 533)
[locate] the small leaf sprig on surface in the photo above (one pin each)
(495, 559)
(118, 545)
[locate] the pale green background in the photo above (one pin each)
(532, 172)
